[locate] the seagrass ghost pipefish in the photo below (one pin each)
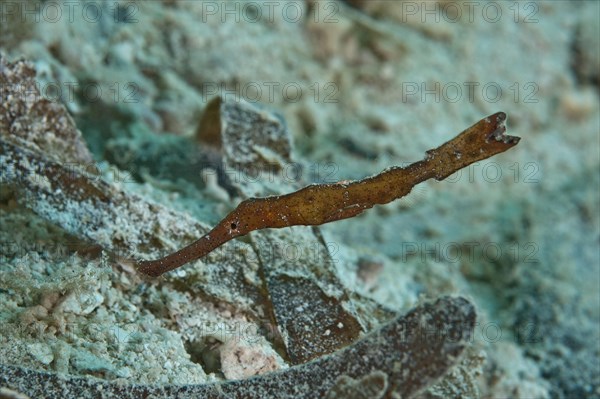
(323, 203)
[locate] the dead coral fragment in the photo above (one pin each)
(314, 312)
(400, 359)
(30, 121)
(323, 203)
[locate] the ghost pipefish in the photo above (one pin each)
(317, 204)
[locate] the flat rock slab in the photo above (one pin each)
(401, 358)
